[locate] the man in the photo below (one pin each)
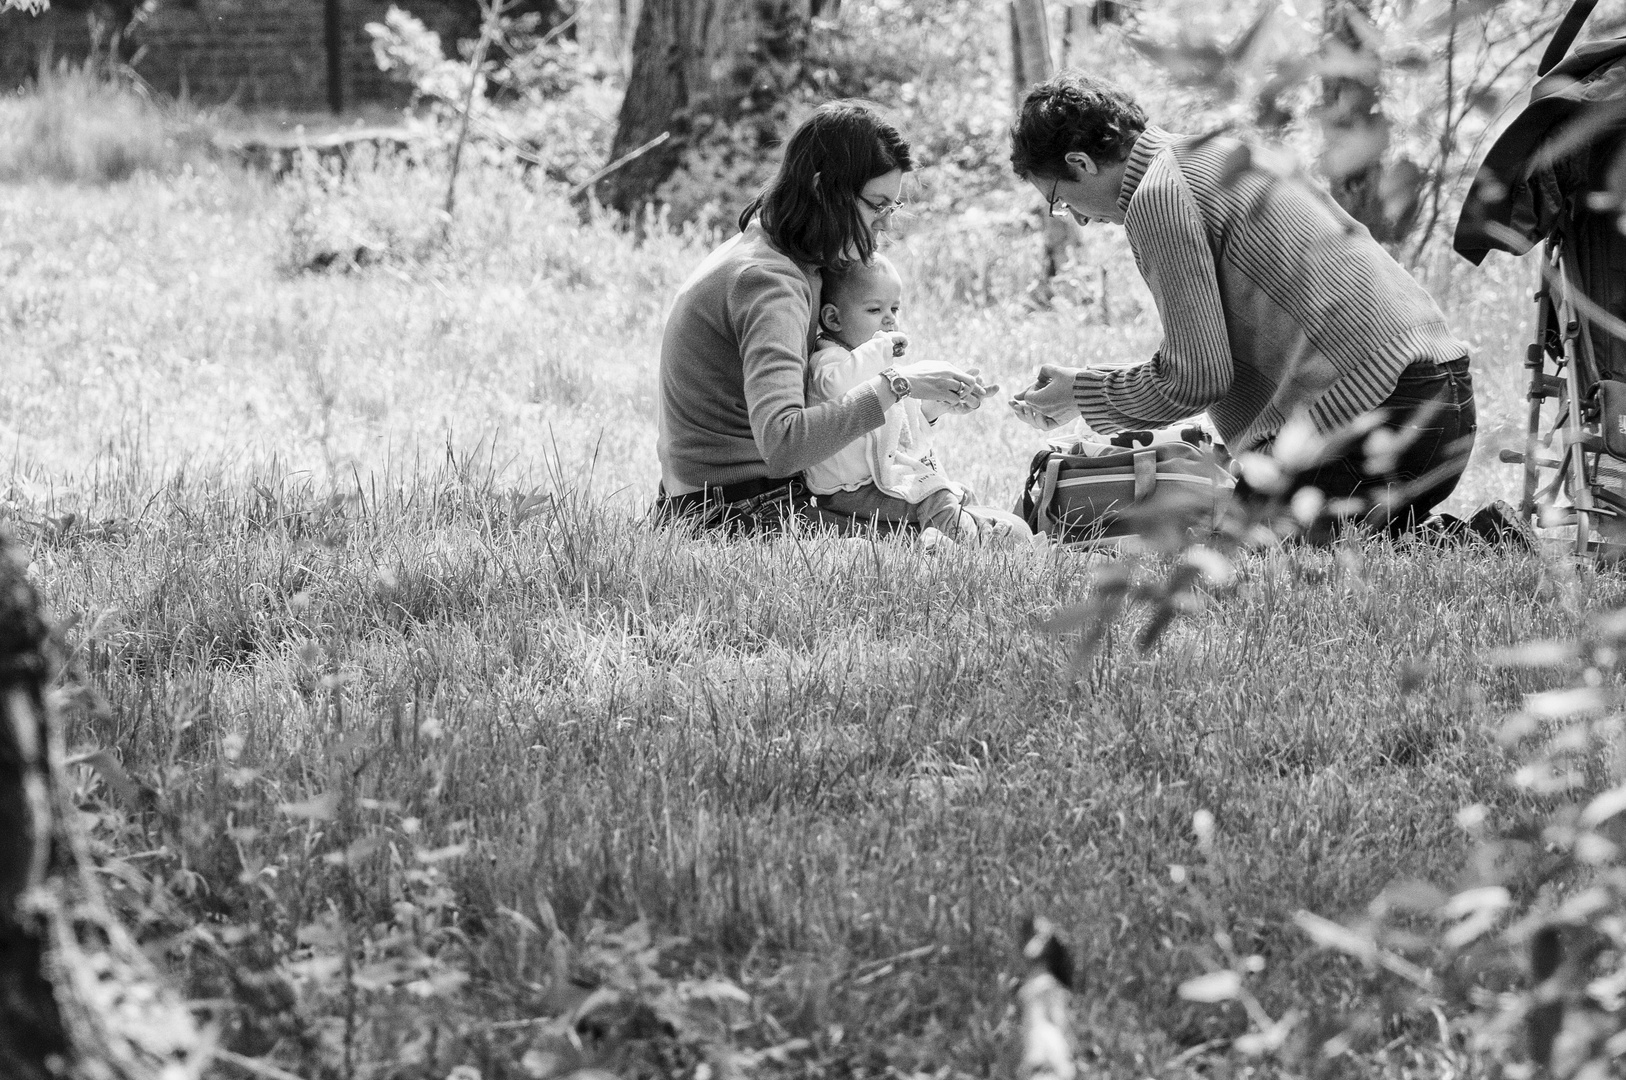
(1275, 304)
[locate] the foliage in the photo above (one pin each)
(373, 959)
(85, 125)
(1449, 72)
(956, 128)
(416, 738)
(1516, 964)
(291, 562)
(535, 99)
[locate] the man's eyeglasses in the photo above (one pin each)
(1058, 207)
(884, 208)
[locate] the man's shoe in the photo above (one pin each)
(1499, 524)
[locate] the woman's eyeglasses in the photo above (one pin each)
(884, 208)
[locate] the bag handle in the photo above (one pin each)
(1024, 506)
(1145, 474)
(1568, 29)
(1047, 494)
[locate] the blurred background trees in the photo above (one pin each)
(1385, 99)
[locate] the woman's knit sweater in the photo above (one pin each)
(733, 373)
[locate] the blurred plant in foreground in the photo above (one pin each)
(1520, 964)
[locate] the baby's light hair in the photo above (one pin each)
(838, 282)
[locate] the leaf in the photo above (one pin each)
(438, 984)
(1202, 826)
(322, 807)
(1546, 952)
(1268, 1041)
(1553, 704)
(1479, 910)
(320, 935)
(1212, 988)
(714, 991)
(1541, 1025)
(1412, 895)
(1202, 64)
(1413, 674)
(1401, 188)
(1604, 807)
(1545, 653)
(1241, 50)
(113, 775)
(1350, 150)
(1492, 898)
(1215, 568)
(1459, 13)
(1331, 935)
(355, 853)
(438, 855)
(530, 506)
(383, 974)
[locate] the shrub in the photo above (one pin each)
(78, 125)
(536, 100)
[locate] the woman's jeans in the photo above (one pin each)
(1399, 470)
(764, 508)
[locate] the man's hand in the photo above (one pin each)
(1048, 403)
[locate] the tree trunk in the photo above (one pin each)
(333, 42)
(1355, 132)
(1030, 64)
(77, 996)
(699, 66)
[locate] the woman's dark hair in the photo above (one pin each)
(810, 208)
(1073, 111)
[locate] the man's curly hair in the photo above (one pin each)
(1073, 111)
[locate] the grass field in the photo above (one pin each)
(419, 714)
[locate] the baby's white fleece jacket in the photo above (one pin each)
(896, 457)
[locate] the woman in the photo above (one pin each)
(735, 427)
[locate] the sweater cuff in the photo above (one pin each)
(867, 401)
(1090, 395)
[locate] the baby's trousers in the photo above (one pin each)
(868, 507)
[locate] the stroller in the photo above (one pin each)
(1557, 175)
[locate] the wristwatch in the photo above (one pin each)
(898, 383)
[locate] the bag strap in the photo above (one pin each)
(1047, 494)
(1036, 470)
(1568, 29)
(1145, 474)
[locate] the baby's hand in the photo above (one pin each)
(900, 340)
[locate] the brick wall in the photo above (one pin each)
(27, 41)
(258, 53)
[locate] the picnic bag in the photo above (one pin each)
(1081, 490)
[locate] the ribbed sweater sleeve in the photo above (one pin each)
(1193, 368)
(770, 314)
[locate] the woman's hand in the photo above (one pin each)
(1048, 403)
(933, 380)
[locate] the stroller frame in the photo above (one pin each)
(1582, 470)
(1542, 181)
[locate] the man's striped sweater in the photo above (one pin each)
(1273, 300)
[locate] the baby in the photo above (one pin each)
(890, 475)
